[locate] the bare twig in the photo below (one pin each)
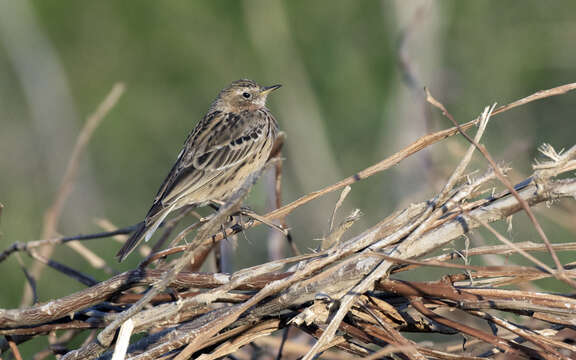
(342, 287)
(27, 246)
(52, 215)
(508, 184)
(14, 348)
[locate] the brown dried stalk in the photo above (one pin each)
(345, 287)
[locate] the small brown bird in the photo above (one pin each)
(232, 141)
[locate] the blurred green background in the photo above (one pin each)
(353, 73)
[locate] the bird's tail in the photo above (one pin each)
(144, 230)
(131, 243)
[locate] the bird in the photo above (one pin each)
(232, 141)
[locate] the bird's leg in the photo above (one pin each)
(215, 205)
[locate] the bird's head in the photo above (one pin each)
(243, 95)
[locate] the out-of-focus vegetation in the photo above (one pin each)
(345, 103)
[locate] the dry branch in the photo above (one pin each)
(52, 214)
(345, 295)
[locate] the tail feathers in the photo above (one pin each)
(132, 242)
(145, 230)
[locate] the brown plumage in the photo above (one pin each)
(232, 141)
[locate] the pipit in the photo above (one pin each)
(232, 141)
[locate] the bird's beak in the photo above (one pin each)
(268, 89)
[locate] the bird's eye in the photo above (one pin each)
(246, 95)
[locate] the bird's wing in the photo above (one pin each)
(229, 141)
(219, 141)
